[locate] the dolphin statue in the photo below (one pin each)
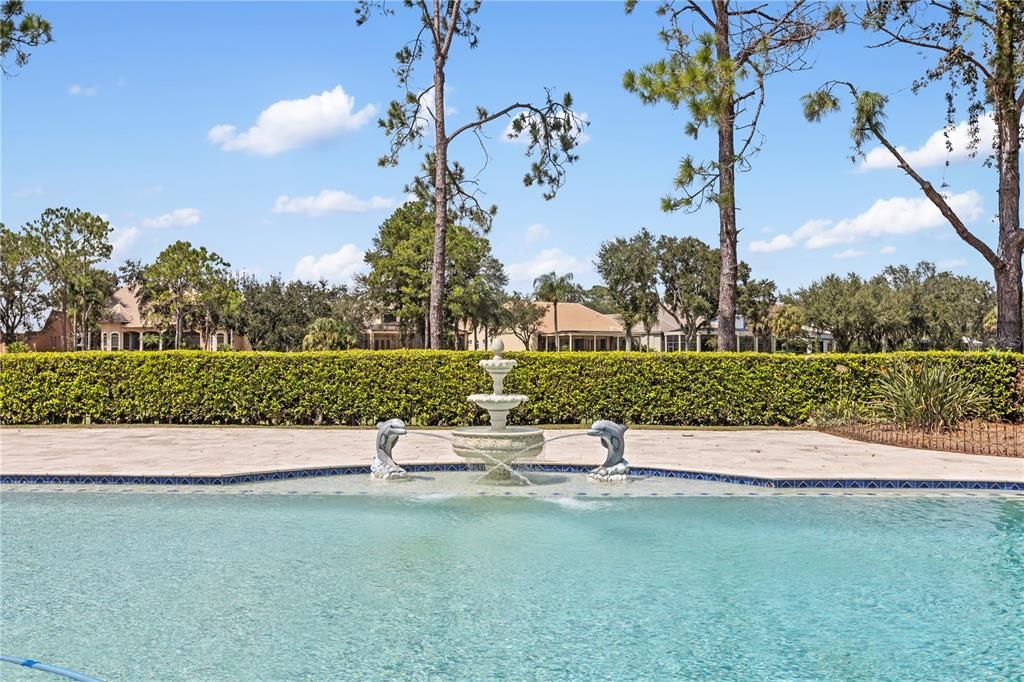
(384, 465)
(612, 438)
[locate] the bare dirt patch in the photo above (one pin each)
(973, 438)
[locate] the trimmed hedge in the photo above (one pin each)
(430, 388)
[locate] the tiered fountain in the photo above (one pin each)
(497, 445)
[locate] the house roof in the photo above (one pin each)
(123, 307)
(576, 317)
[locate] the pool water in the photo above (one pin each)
(319, 586)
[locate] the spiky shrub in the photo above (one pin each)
(927, 396)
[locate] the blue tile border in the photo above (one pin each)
(289, 474)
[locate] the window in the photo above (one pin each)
(115, 341)
(104, 344)
(672, 343)
(219, 343)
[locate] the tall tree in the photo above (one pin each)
(755, 300)
(629, 268)
(480, 300)
(599, 298)
(89, 294)
(218, 302)
(400, 260)
(19, 32)
(177, 282)
(275, 314)
(68, 243)
(717, 68)
(523, 317)
(22, 300)
(554, 289)
(689, 272)
(551, 128)
(979, 50)
(902, 308)
(834, 303)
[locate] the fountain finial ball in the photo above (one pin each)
(497, 348)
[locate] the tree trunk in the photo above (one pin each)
(437, 275)
(558, 345)
(177, 331)
(64, 322)
(726, 195)
(1008, 119)
(1008, 303)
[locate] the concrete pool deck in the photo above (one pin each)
(229, 450)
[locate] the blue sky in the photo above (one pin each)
(124, 115)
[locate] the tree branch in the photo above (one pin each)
(453, 9)
(696, 8)
(747, 52)
(940, 202)
(948, 50)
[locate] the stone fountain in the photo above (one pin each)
(497, 445)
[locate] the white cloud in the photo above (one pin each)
(291, 123)
(340, 266)
(777, 243)
(330, 201)
(26, 192)
(888, 249)
(848, 253)
(179, 217)
(547, 260)
(580, 122)
(895, 216)
(121, 239)
(933, 152)
(536, 232)
(82, 90)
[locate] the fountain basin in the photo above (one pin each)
(496, 450)
(497, 406)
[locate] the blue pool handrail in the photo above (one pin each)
(36, 665)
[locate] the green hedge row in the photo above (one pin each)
(430, 388)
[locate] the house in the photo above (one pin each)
(579, 328)
(46, 339)
(668, 335)
(385, 332)
(123, 327)
(584, 329)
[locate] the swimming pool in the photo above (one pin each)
(322, 586)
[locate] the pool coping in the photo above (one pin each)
(659, 472)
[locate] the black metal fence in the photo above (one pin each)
(976, 437)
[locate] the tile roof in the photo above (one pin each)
(123, 307)
(576, 317)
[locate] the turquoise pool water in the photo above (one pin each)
(207, 586)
